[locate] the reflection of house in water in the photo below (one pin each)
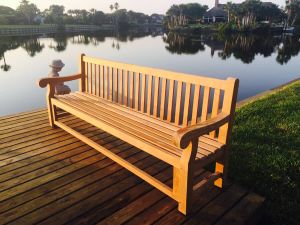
(216, 14)
(215, 45)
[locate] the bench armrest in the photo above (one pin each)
(185, 135)
(55, 80)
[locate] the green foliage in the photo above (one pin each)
(27, 12)
(293, 10)
(266, 155)
(7, 15)
(55, 14)
(248, 14)
(180, 15)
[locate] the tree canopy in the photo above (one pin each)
(178, 15)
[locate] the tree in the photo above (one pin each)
(27, 11)
(293, 11)
(116, 6)
(180, 15)
(98, 18)
(111, 7)
(7, 15)
(55, 14)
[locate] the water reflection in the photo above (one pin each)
(241, 47)
(180, 44)
(59, 42)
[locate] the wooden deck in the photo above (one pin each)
(49, 177)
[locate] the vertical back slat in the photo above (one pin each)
(111, 80)
(87, 77)
(170, 100)
(215, 108)
(131, 88)
(149, 97)
(82, 71)
(143, 92)
(137, 91)
(156, 91)
(126, 74)
(163, 98)
(186, 104)
(115, 84)
(121, 87)
(205, 103)
(103, 81)
(195, 104)
(107, 83)
(95, 80)
(99, 81)
(91, 79)
(178, 103)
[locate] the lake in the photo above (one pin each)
(260, 62)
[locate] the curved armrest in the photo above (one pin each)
(55, 80)
(184, 136)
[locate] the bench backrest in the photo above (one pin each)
(178, 98)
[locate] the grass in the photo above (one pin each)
(265, 153)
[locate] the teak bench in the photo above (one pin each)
(181, 119)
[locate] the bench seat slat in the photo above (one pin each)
(204, 148)
(147, 131)
(122, 125)
(134, 113)
(144, 119)
(121, 134)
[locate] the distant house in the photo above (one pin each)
(39, 19)
(157, 19)
(216, 14)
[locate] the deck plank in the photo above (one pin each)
(49, 177)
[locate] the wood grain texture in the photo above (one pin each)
(176, 138)
(65, 181)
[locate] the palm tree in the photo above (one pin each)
(116, 6)
(111, 7)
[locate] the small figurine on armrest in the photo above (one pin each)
(60, 89)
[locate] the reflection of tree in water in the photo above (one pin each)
(6, 44)
(290, 47)
(246, 47)
(32, 46)
(61, 43)
(182, 44)
(5, 67)
(242, 47)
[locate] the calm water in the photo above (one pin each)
(260, 63)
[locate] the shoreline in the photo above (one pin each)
(239, 104)
(264, 94)
(24, 30)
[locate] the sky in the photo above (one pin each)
(145, 6)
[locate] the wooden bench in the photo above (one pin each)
(181, 119)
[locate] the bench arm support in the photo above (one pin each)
(185, 135)
(55, 80)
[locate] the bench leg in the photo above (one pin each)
(184, 189)
(51, 107)
(183, 178)
(222, 167)
(52, 114)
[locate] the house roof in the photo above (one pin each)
(217, 11)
